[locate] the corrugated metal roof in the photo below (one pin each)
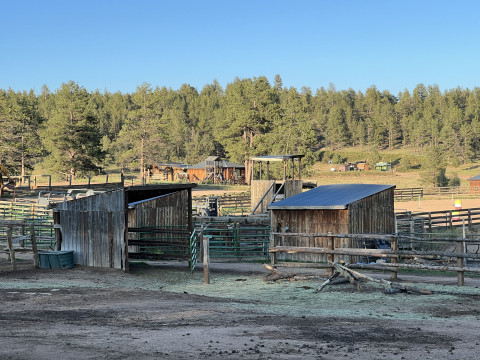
(475, 178)
(334, 197)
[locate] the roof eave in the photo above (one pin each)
(333, 207)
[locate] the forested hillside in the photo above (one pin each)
(72, 131)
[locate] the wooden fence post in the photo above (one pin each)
(331, 257)
(206, 260)
(273, 256)
(460, 263)
(394, 247)
(34, 246)
(11, 251)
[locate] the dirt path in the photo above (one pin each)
(165, 312)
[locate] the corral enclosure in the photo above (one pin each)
(97, 228)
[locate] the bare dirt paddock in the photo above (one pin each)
(165, 312)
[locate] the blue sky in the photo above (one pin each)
(118, 45)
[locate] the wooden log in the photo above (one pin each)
(326, 282)
(348, 275)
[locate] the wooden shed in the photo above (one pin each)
(141, 222)
(216, 170)
(338, 209)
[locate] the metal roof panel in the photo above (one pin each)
(331, 197)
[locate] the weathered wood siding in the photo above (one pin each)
(171, 213)
(257, 189)
(373, 214)
(293, 187)
(309, 221)
(94, 228)
(166, 210)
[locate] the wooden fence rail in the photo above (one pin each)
(414, 193)
(442, 218)
(392, 253)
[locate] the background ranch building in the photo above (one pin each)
(338, 209)
(216, 170)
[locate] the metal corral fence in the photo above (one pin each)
(407, 252)
(24, 215)
(418, 222)
(224, 205)
(159, 242)
(238, 241)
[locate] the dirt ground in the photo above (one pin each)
(162, 311)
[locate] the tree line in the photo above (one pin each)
(72, 131)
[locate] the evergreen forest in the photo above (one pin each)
(72, 131)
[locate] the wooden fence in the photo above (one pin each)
(451, 259)
(17, 239)
(431, 220)
(414, 193)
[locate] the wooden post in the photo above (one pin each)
(49, 182)
(268, 170)
(206, 260)
(284, 169)
(106, 179)
(273, 256)
(331, 257)
(469, 220)
(394, 246)
(69, 180)
(57, 230)
(89, 179)
(299, 168)
(34, 246)
(35, 182)
(10, 248)
(460, 262)
(293, 168)
(429, 222)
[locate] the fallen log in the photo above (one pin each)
(326, 282)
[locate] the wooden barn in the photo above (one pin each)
(138, 222)
(216, 170)
(338, 209)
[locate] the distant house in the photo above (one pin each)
(363, 166)
(216, 170)
(339, 209)
(475, 184)
(344, 167)
(383, 166)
